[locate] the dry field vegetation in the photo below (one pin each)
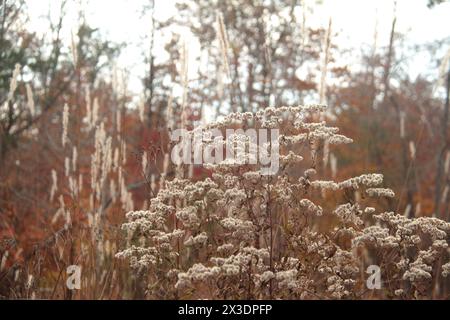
(87, 178)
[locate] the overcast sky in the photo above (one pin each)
(354, 20)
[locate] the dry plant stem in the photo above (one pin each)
(269, 204)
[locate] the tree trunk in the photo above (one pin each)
(441, 155)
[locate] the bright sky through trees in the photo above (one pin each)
(123, 21)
